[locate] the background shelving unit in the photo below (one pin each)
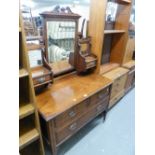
(113, 31)
(30, 139)
(109, 41)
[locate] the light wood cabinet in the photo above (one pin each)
(119, 78)
(109, 39)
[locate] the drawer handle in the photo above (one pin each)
(99, 107)
(73, 126)
(72, 114)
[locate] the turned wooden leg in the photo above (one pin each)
(54, 150)
(51, 135)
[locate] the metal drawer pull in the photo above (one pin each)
(72, 114)
(73, 126)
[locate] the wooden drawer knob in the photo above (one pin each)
(73, 126)
(72, 113)
(117, 84)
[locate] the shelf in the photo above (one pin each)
(108, 67)
(113, 31)
(31, 149)
(25, 109)
(23, 73)
(28, 138)
(129, 64)
(30, 38)
(124, 1)
(31, 47)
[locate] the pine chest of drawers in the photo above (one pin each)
(119, 77)
(69, 104)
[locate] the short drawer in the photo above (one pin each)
(91, 64)
(41, 80)
(68, 131)
(116, 98)
(70, 115)
(99, 96)
(120, 82)
(130, 80)
(114, 92)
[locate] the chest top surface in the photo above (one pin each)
(129, 64)
(67, 92)
(116, 73)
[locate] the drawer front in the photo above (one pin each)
(75, 112)
(41, 80)
(99, 96)
(90, 64)
(70, 114)
(118, 85)
(130, 80)
(120, 82)
(68, 131)
(116, 98)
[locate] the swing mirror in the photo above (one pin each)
(60, 40)
(60, 35)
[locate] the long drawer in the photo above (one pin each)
(99, 96)
(71, 114)
(76, 125)
(74, 113)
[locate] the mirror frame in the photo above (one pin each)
(61, 16)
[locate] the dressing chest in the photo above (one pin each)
(69, 104)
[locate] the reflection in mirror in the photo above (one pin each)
(84, 48)
(34, 54)
(61, 32)
(60, 37)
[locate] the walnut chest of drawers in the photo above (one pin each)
(119, 77)
(69, 104)
(130, 83)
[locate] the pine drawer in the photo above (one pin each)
(118, 85)
(116, 98)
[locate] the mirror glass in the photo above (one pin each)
(35, 57)
(60, 39)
